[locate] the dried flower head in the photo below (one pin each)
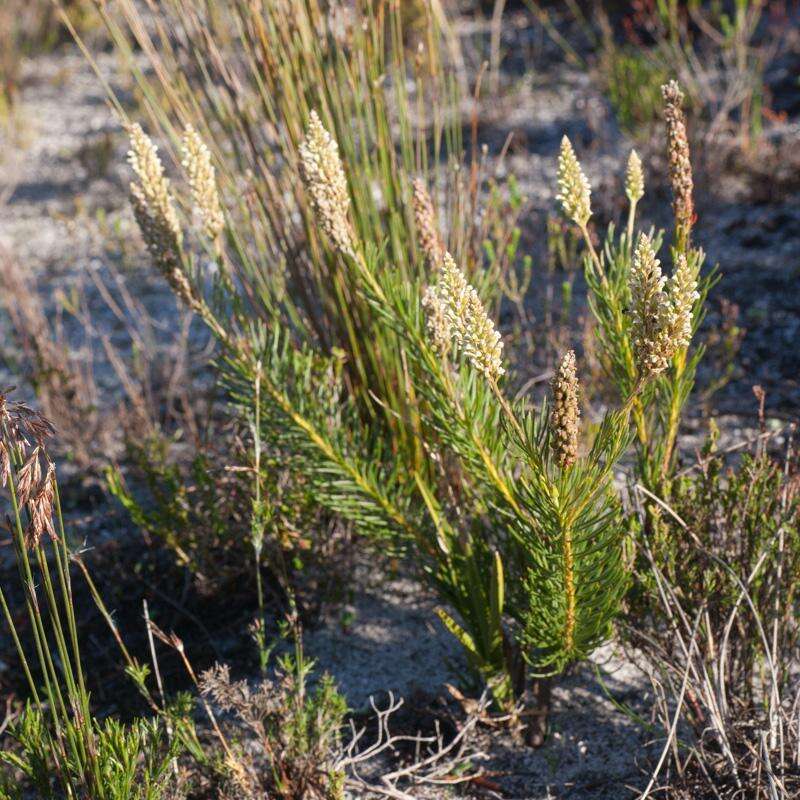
(40, 510)
(682, 295)
(29, 476)
(5, 465)
(565, 416)
(574, 191)
(325, 181)
(20, 427)
(436, 321)
(651, 311)
(680, 165)
(196, 160)
(469, 323)
(428, 238)
(634, 178)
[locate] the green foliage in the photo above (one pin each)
(133, 760)
(325, 346)
(575, 575)
(197, 505)
(633, 82)
(490, 501)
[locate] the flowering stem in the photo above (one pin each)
(631, 221)
(593, 254)
(507, 409)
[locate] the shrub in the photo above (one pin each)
(298, 730)
(286, 736)
(557, 521)
(715, 612)
(410, 436)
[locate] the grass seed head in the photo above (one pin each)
(574, 191)
(680, 165)
(634, 178)
(40, 510)
(23, 435)
(565, 416)
(428, 238)
(469, 323)
(323, 176)
(196, 160)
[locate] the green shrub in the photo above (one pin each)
(134, 762)
(634, 86)
(410, 436)
(526, 502)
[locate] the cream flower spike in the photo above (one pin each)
(574, 191)
(470, 326)
(323, 176)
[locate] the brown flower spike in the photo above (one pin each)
(680, 165)
(566, 413)
(428, 238)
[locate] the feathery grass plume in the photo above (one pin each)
(155, 212)
(196, 160)
(439, 329)
(680, 165)
(428, 238)
(323, 175)
(470, 325)
(651, 311)
(634, 178)
(565, 416)
(574, 191)
(682, 295)
(20, 427)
